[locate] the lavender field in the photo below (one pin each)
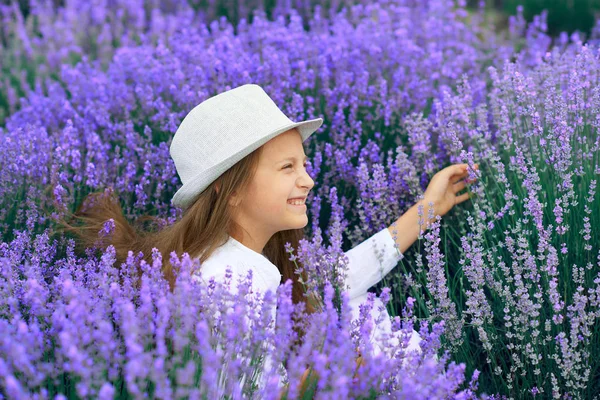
(504, 290)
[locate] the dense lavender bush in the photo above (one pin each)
(512, 279)
(519, 283)
(35, 46)
(86, 328)
(360, 71)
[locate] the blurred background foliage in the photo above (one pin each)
(563, 15)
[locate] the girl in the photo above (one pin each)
(242, 165)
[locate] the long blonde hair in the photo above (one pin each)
(203, 227)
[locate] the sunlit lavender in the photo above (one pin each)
(504, 290)
(90, 333)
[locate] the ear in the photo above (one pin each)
(234, 200)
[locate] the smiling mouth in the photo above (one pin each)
(296, 202)
(298, 205)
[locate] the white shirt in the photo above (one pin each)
(368, 263)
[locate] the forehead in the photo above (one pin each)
(288, 144)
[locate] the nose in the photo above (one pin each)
(306, 181)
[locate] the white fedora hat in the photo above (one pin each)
(222, 130)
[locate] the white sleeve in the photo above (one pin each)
(370, 261)
(383, 330)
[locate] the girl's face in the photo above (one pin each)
(280, 176)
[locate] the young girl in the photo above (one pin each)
(242, 165)
(268, 205)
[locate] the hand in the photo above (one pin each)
(359, 363)
(443, 187)
(304, 385)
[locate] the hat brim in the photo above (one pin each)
(186, 195)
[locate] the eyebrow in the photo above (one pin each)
(293, 159)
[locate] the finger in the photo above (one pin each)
(457, 169)
(459, 186)
(472, 170)
(458, 172)
(462, 169)
(463, 197)
(467, 167)
(467, 170)
(457, 178)
(359, 361)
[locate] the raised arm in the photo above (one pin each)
(370, 261)
(374, 258)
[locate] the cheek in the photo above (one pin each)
(278, 204)
(270, 196)
(268, 205)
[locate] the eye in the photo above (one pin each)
(289, 165)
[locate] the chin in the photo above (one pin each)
(299, 225)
